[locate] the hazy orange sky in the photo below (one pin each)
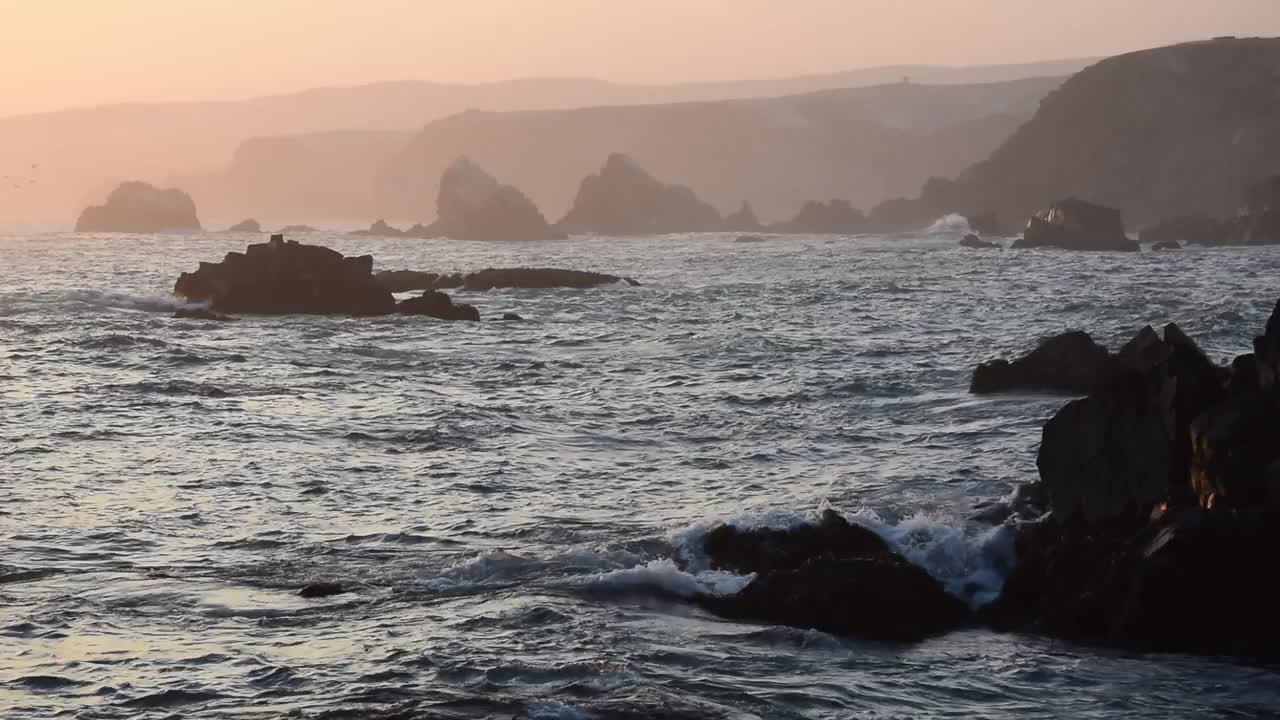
(62, 53)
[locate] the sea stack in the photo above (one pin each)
(623, 199)
(473, 205)
(138, 207)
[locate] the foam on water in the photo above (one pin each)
(952, 224)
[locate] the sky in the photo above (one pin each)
(68, 53)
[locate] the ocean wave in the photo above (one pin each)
(130, 301)
(953, 224)
(664, 578)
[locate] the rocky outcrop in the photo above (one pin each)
(623, 199)
(1190, 229)
(473, 205)
(137, 207)
(834, 217)
(833, 576)
(1074, 224)
(1163, 503)
(286, 277)
(438, 305)
(743, 220)
(973, 241)
(380, 229)
(1070, 362)
(246, 226)
(495, 278)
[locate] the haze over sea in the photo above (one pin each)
(517, 506)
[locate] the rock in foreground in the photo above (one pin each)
(498, 278)
(137, 207)
(1074, 224)
(835, 577)
(440, 306)
(285, 277)
(1071, 362)
(472, 205)
(1164, 497)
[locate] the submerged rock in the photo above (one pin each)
(284, 277)
(1074, 224)
(835, 577)
(472, 205)
(494, 278)
(973, 241)
(438, 305)
(623, 199)
(138, 207)
(322, 590)
(246, 226)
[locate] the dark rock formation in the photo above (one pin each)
(1074, 224)
(322, 590)
(973, 241)
(246, 226)
(1167, 245)
(380, 229)
(297, 229)
(1194, 230)
(438, 305)
(743, 220)
(834, 217)
(835, 577)
(137, 207)
(1163, 499)
(472, 205)
(511, 317)
(280, 277)
(1071, 362)
(493, 278)
(201, 314)
(623, 199)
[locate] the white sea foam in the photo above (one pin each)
(128, 301)
(665, 576)
(952, 224)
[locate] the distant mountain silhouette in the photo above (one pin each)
(1162, 133)
(85, 152)
(862, 144)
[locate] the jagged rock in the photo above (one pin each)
(743, 220)
(623, 199)
(1070, 362)
(137, 207)
(201, 314)
(380, 229)
(1162, 490)
(1190, 229)
(973, 241)
(296, 230)
(438, 305)
(834, 217)
(246, 226)
(472, 205)
(1074, 224)
(284, 277)
(834, 577)
(493, 278)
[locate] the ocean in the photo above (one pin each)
(516, 508)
